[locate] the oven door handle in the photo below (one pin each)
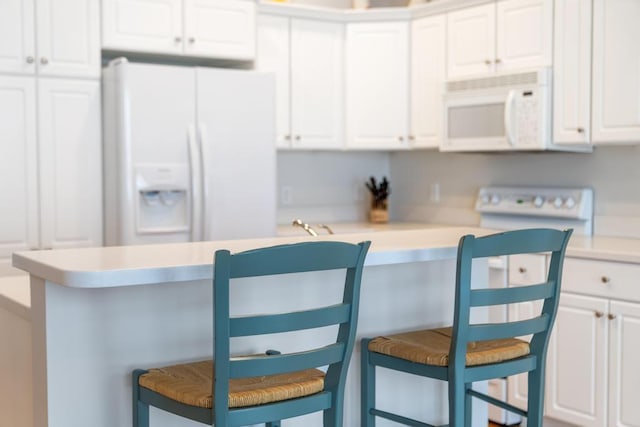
(509, 112)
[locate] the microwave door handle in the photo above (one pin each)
(509, 111)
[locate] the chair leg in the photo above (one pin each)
(368, 387)
(467, 405)
(535, 391)
(457, 403)
(140, 409)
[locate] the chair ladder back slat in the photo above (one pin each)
(292, 321)
(295, 258)
(512, 295)
(528, 241)
(494, 331)
(244, 367)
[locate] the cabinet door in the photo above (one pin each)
(428, 53)
(471, 41)
(220, 28)
(572, 72)
(577, 360)
(524, 34)
(19, 166)
(273, 54)
(70, 163)
(524, 270)
(142, 25)
(317, 84)
(377, 85)
(624, 380)
(616, 71)
(17, 42)
(68, 38)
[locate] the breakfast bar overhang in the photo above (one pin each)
(97, 313)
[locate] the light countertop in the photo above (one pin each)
(137, 265)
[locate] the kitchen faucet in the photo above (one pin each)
(306, 227)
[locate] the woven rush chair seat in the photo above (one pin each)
(190, 384)
(431, 347)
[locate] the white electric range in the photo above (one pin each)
(508, 208)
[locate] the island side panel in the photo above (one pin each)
(87, 341)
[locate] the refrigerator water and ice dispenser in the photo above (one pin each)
(163, 194)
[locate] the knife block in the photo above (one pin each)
(379, 215)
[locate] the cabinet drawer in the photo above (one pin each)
(527, 269)
(607, 279)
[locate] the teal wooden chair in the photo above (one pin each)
(239, 391)
(466, 353)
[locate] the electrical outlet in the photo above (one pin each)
(434, 192)
(286, 195)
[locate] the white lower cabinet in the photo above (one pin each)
(593, 377)
(524, 270)
(50, 158)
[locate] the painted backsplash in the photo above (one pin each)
(329, 187)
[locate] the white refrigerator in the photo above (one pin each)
(189, 153)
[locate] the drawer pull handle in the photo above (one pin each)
(522, 270)
(605, 279)
(598, 314)
(611, 316)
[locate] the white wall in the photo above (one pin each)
(612, 172)
(325, 185)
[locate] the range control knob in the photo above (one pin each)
(485, 199)
(495, 199)
(538, 201)
(569, 203)
(557, 202)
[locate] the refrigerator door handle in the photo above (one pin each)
(195, 162)
(206, 190)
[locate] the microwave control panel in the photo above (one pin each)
(527, 117)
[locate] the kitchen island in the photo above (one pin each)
(98, 313)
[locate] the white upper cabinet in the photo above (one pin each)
(142, 25)
(70, 163)
(524, 34)
(220, 28)
(616, 71)
(572, 72)
(377, 85)
(428, 69)
(500, 37)
(17, 36)
(67, 42)
(471, 41)
(307, 57)
(19, 166)
(201, 28)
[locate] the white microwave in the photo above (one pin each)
(505, 112)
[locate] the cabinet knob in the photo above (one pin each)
(30, 59)
(598, 314)
(605, 279)
(488, 61)
(177, 39)
(522, 270)
(611, 316)
(580, 130)
(192, 39)
(298, 138)
(287, 137)
(412, 138)
(401, 138)
(44, 61)
(498, 61)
